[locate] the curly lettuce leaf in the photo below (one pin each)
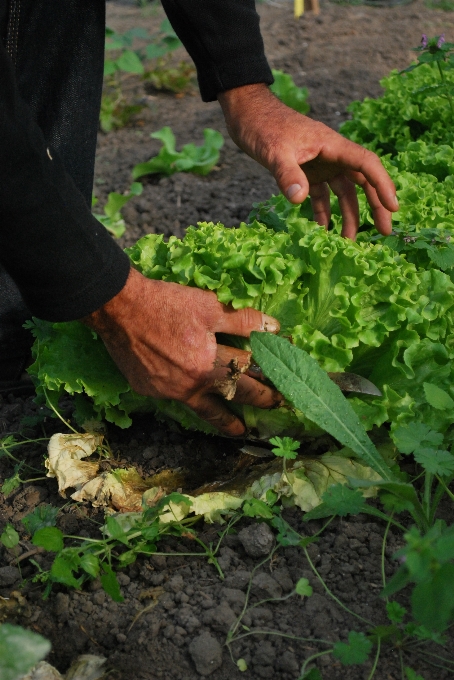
(351, 306)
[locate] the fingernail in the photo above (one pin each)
(292, 190)
(396, 202)
(269, 324)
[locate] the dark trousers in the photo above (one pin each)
(57, 47)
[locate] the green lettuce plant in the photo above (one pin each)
(285, 89)
(357, 307)
(112, 219)
(197, 159)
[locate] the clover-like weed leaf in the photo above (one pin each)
(343, 501)
(42, 516)
(285, 447)
(337, 500)
(395, 612)
(356, 651)
(392, 503)
(408, 438)
(303, 588)
(435, 461)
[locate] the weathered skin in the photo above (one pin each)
(162, 335)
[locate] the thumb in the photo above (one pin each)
(243, 321)
(290, 179)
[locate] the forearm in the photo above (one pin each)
(223, 38)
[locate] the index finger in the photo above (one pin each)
(243, 321)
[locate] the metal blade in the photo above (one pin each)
(257, 451)
(347, 382)
(351, 382)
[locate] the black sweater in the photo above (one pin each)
(63, 261)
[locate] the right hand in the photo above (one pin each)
(162, 338)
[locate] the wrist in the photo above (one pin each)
(115, 311)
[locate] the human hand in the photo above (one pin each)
(162, 338)
(306, 157)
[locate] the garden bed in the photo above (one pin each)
(170, 601)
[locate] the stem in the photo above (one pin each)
(35, 479)
(234, 626)
(377, 656)
(70, 427)
(401, 665)
(309, 660)
(445, 488)
(436, 656)
(427, 494)
(432, 663)
(331, 594)
(383, 548)
(369, 510)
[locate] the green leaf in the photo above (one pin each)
(90, 564)
(242, 665)
(435, 461)
(20, 650)
(433, 601)
(62, 570)
(313, 674)
(406, 494)
(49, 538)
(150, 532)
(408, 438)
(412, 675)
(130, 62)
(303, 588)
(285, 447)
(437, 397)
(10, 484)
(338, 500)
(287, 535)
(394, 504)
(257, 508)
(307, 387)
(110, 583)
(395, 612)
(42, 516)
(285, 89)
(355, 652)
(398, 581)
(9, 537)
(192, 158)
(115, 530)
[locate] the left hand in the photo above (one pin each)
(306, 157)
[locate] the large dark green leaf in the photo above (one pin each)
(308, 388)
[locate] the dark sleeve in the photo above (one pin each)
(224, 40)
(63, 260)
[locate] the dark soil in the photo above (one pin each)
(185, 609)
